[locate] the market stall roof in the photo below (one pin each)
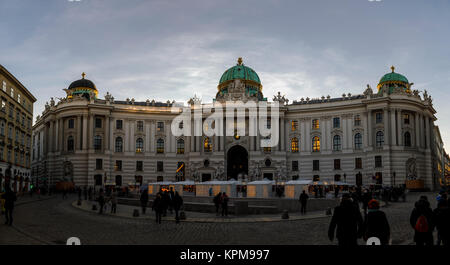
(219, 182)
(340, 183)
(186, 182)
(162, 183)
(299, 182)
(261, 182)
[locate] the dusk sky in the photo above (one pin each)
(171, 50)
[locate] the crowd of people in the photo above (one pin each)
(348, 224)
(221, 202)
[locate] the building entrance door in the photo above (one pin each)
(237, 162)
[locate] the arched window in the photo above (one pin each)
(380, 139)
(70, 143)
(294, 145)
(336, 143)
(160, 146)
(139, 145)
(97, 142)
(119, 144)
(316, 144)
(407, 139)
(315, 124)
(180, 146)
(358, 141)
(207, 146)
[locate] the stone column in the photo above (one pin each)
(366, 130)
(422, 144)
(427, 132)
(282, 136)
(386, 126)
(324, 138)
(308, 135)
(79, 133)
(393, 128)
(85, 132)
(369, 128)
(112, 125)
(51, 136)
(147, 136)
(417, 130)
(107, 131)
(57, 145)
(345, 132)
(91, 131)
(399, 127)
(152, 136)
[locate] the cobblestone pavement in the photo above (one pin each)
(53, 221)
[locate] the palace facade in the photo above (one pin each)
(384, 135)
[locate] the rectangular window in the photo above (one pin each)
(71, 123)
(98, 123)
(140, 126)
(160, 126)
(4, 86)
(379, 117)
(139, 166)
(358, 163)
(11, 110)
(295, 165)
(378, 161)
(3, 106)
(357, 120)
(406, 118)
(294, 125)
(160, 166)
(118, 165)
(12, 92)
(119, 124)
(18, 98)
(336, 122)
(337, 164)
(316, 165)
(98, 164)
(315, 124)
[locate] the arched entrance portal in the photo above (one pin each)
(237, 162)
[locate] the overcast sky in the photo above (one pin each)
(174, 49)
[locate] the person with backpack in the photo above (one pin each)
(303, 200)
(224, 201)
(217, 202)
(347, 222)
(441, 216)
(422, 222)
(376, 223)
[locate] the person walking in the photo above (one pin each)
(347, 222)
(113, 200)
(421, 220)
(303, 198)
(101, 201)
(224, 201)
(171, 195)
(177, 203)
(10, 197)
(441, 216)
(144, 200)
(376, 223)
(366, 198)
(217, 202)
(157, 207)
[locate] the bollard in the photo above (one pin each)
(285, 215)
(135, 213)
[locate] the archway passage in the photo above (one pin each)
(237, 162)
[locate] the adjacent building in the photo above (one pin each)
(384, 135)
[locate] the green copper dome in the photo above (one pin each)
(393, 78)
(242, 72)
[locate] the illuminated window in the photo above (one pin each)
(294, 145)
(160, 146)
(18, 98)
(358, 141)
(407, 139)
(180, 146)
(160, 126)
(316, 144)
(207, 146)
(139, 145)
(336, 143)
(294, 125)
(380, 139)
(315, 124)
(118, 166)
(4, 86)
(119, 144)
(12, 92)
(406, 118)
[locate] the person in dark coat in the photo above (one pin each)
(347, 222)
(442, 221)
(366, 198)
(170, 201)
(101, 200)
(224, 201)
(303, 199)
(165, 202)
(376, 223)
(144, 200)
(10, 197)
(421, 220)
(157, 207)
(217, 202)
(177, 203)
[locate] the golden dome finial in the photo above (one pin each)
(392, 68)
(83, 75)
(240, 61)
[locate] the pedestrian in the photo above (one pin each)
(210, 191)
(101, 201)
(170, 199)
(144, 200)
(441, 217)
(10, 197)
(366, 198)
(157, 207)
(421, 220)
(177, 203)
(165, 202)
(113, 200)
(217, 202)
(224, 201)
(303, 198)
(347, 222)
(376, 223)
